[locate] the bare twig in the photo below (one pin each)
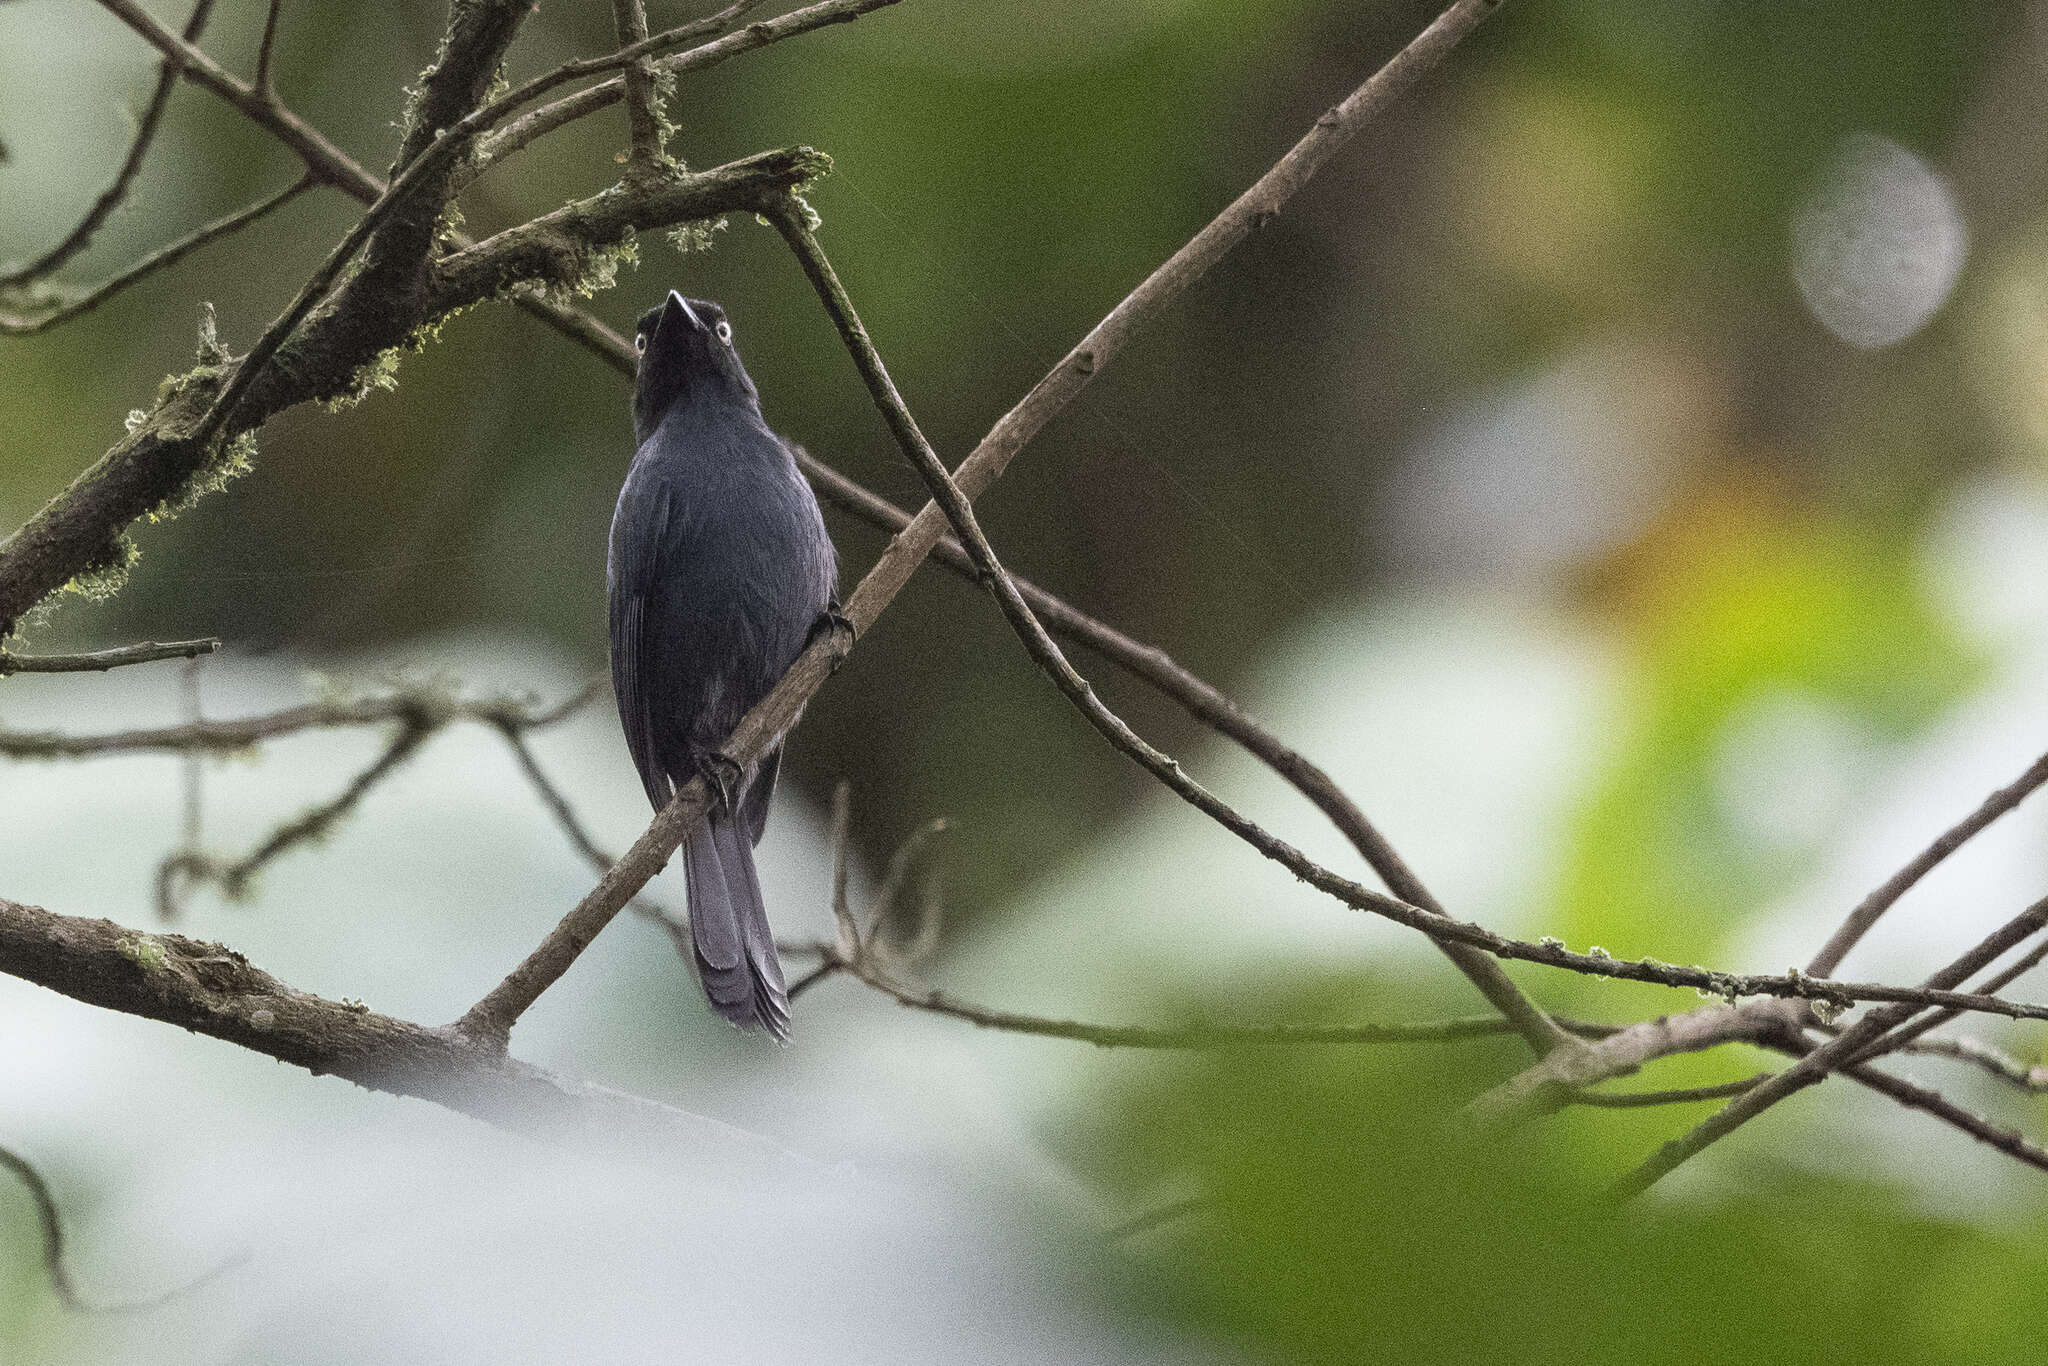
(266, 77)
(643, 118)
(2029, 1077)
(425, 706)
(1631, 1100)
(937, 1002)
(569, 108)
(61, 309)
(66, 1289)
(110, 199)
(1991, 985)
(2008, 1141)
(233, 876)
(99, 661)
(1836, 1052)
(557, 803)
(1868, 910)
(842, 869)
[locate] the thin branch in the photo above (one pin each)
(557, 803)
(2031, 1078)
(233, 876)
(1836, 1052)
(99, 661)
(643, 118)
(2008, 1141)
(110, 199)
(1191, 1037)
(1868, 910)
(428, 707)
(1991, 985)
(569, 108)
(1916, 1097)
(66, 1289)
(63, 310)
(828, 968)
(1631, 1100)
(266, 83)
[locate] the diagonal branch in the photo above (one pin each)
(1882, 899)
(1542, 1033)
(62, 310)
(1838, 1051)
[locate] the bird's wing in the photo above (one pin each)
(639, 530)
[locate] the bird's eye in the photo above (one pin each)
(640, 342)
(724, 330)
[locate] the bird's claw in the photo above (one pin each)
(723, 774)
(833, 621)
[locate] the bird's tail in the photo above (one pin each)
(729, 924)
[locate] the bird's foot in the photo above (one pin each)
(723, 775)
(831, 622)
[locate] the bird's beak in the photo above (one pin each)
(677, 304)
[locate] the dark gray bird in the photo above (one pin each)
(720, 571)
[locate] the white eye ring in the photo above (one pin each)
(640, 342)
(724, 331)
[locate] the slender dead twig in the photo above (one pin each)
(1191, 1037)
(522, 131)
(1632, 1100)
(571, 825)
(266, 81)
(233, 876)
(2031, 1078)
(1868, 910)
(66, 1289)
(99, 661)
(1843, 1049)
(2011, 1142)
(431, 707)
(643, 117)
(110, 199)
(1998, 981)
(62, 309)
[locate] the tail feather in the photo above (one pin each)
(729, 925)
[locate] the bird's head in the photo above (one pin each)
(686, 356)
